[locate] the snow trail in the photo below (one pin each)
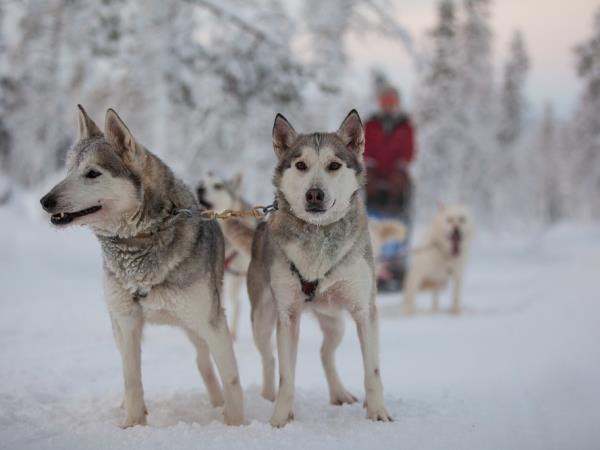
(519, 369)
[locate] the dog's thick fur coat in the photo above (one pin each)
(314, 253)
(160, 265)
(441, 256)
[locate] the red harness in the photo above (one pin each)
(227, 265)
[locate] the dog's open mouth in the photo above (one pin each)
(313, 209)
(64, 218)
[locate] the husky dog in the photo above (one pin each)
(160, 265)
(314, 252)
(220, 194)
(441, 256)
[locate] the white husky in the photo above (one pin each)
(441, 255)
(220, 194)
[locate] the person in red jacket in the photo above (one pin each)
(389, 150)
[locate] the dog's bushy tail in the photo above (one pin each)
(239, 234)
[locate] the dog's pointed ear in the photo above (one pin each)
(352, 133)
(284, 135)
(87, 127)
(120, 137)
(236, 182)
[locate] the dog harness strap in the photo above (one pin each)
(229, 259)
(308, 287)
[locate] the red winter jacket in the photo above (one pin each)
(389, 144)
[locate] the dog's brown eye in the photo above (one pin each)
(301, 166)
(92, 174)
(218, 187)
(334, 166)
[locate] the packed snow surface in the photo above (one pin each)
(519, 369)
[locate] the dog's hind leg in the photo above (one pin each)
(128, 335)
(263, 324)
(435, 300)
(333, 331)
(410, 293)
(234, 286)
(221, 347)
(205, 367)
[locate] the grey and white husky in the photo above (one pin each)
(161, 265)
(314, 252)
(215, 192)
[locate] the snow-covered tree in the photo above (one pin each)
(553, 169)
(440, 116)
(586, 127)
(477, 94)
(512, 96)
(5, 133)
(511, 153)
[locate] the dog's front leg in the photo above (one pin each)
(234, 285)
(128, 334)
(368, 335)
(413, 281)
(456, 291)
(288, 329)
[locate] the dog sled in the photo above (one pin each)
(391, 200)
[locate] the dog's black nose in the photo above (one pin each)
(315, 196)
(48, 202)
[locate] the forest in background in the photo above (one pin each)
(199, 83)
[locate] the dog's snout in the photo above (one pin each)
(315, 196)
(48, 202)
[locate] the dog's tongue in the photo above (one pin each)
(456, 238)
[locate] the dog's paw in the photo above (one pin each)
(122, 407)
(133, 420)
(408, 310)
(233, 418)
(378, 414)
(280, 420)
(455, 310)
(269, 394)
(341, 397)
(376, 411)
(216, 397)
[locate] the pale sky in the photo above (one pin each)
(552, 28)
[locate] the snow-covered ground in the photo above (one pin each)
(520, 369)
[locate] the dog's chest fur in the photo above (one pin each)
(141, 264)
(315, 250)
